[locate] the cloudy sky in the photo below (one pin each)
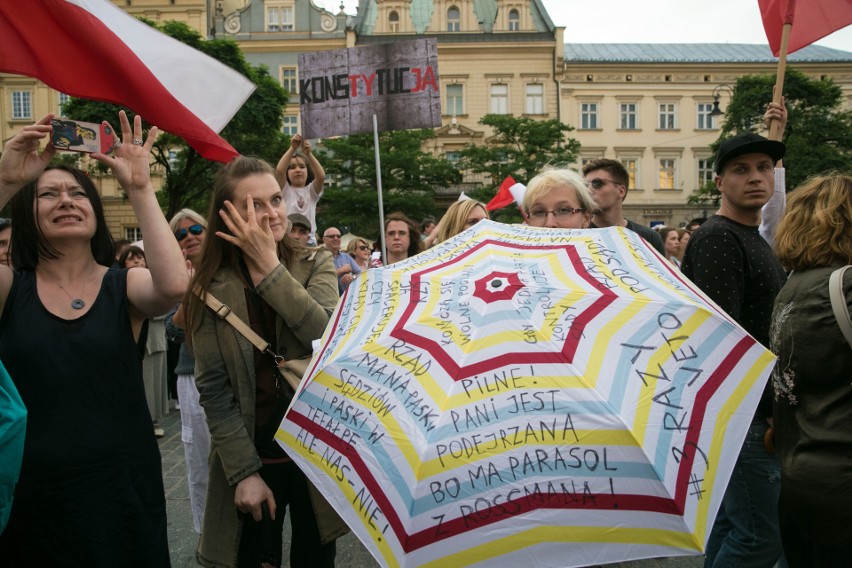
(656, 21)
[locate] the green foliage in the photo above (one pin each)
(520, 147)
(254, 130)
(409, 176)
(818, 134)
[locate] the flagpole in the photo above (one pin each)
(775, 126)
(379, 188)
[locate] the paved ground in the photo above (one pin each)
(350, 552)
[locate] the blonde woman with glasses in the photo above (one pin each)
(558, 198)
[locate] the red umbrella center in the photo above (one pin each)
(497, 286)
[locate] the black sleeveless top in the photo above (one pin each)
(91, 486)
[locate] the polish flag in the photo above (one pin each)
(93, 50)
(814, 19)
(503, 197)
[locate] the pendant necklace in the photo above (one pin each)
(77, 303)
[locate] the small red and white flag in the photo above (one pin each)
(811, 20)
(92, 49)
(510, 191)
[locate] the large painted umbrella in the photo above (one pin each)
(526, 396)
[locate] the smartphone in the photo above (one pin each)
(82, 136)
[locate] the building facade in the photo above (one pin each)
(649, 106)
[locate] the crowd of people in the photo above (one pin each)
(83, 326)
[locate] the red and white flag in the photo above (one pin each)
(92, 49)
(811, 20)
(509, 192)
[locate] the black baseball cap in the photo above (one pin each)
(748, 143)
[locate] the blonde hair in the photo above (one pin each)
(551, 178)
(816, 230)
(186, 214)
(354, 243)
(453, 221)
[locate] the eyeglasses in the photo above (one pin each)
(363, 247)
(598, 183)
(337, 236)
(196, 230)
(393, 234)
(560, 213)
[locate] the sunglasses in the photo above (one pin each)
(196, 230)
(598, 183)
(363, 247)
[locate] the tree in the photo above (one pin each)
(254, 130)
(409, 176)
(520, 147)
(818, 134)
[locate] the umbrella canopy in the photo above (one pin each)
(517, 394)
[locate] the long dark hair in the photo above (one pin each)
(216, 253)
(28, 242)
(415, 245)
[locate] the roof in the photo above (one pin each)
(695, 53)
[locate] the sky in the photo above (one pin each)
(656, 21)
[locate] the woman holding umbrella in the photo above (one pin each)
(71, 335)
(285, 293)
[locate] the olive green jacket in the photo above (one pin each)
(304, 298)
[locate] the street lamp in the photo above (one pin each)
(716, 93)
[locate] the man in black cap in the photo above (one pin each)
(300, 227)
(728, 259)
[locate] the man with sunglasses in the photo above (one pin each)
(345, 266)
(608, 181)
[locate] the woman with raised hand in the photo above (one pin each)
(286, 293)
(71, 335)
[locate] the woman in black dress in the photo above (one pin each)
(71, 331)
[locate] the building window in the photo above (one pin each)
(290, 79)
(667, 116)
(22, 105)
(453, 19)
(667, 173)
(455, 100)
(63, 100)
(133, 234)
(279, 18)
(452, 156)
(499, 99)
(535, 98)
(632, 167)
(588, 116)
(393, 21)
(628, 116)
(290, 124)
(705, 119)
(705, 172)
(514, 21)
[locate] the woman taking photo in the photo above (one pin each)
(286, 294)
(71, 336)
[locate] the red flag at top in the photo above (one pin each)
(92, 49)
(811, 20)
(503, 197)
